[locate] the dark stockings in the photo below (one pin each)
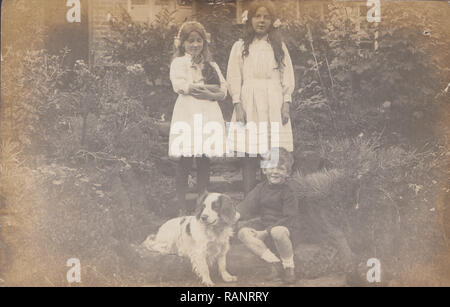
(182, 175)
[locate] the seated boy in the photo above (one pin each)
(268, 213)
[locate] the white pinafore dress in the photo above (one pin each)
(261, 88)
(197, 127)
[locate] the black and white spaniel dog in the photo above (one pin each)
(204, 238)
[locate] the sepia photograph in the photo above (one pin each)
(225, 143)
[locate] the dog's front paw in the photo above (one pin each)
(141, 250)
(208, 283)
(227, 277)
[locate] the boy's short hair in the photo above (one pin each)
(284, 157)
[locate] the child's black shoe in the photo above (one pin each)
(289, 276)
(275, 272)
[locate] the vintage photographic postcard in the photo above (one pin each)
(225, 143)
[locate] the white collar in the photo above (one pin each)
(189, 58)
(264, 38)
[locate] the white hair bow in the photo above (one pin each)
(277, 23)
(245, 16)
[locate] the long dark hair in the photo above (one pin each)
(209, 73)
(275, 39)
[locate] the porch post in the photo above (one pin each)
(238, 11)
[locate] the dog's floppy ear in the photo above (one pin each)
(202, 197)
(200, 200)
(227, 210)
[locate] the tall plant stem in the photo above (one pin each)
(324, 89)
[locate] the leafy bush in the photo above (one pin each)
(147, 44)
(345, 86)
(367, 193)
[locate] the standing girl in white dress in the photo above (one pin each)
(197, 129)
(261, 81)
